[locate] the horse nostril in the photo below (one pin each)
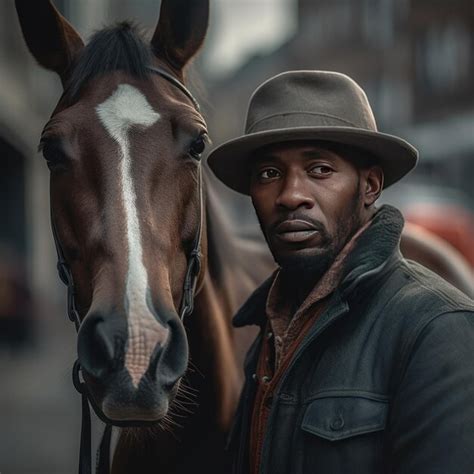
(96, 345)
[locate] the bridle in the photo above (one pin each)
(186, 308)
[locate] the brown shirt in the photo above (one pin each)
(283, 334)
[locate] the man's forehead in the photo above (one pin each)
(297, 149)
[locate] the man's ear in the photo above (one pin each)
(51, 39)
(180, 31)
(373, 185)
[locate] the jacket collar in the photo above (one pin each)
(374, 248)
(253, 310)
(371, 254)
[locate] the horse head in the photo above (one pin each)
(123, 147)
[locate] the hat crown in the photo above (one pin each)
(310, 105)
(309, 99)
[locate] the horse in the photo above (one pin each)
(137, 235)
(142, 239)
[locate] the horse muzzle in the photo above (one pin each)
(127, 382)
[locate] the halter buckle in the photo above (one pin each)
(76, 378)
(63, 271)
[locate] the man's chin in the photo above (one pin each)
(296, 254)
(305, 262)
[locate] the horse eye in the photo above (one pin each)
(53, 155)
(197, 147)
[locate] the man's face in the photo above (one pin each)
(308, 201)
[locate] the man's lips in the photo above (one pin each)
(295, 231)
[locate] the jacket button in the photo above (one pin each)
(266, 379)
(337, 423)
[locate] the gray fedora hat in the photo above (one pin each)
(310, 105)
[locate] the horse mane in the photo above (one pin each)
(120, 47)
(221, 246)
(235, 264)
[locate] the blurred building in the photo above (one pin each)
(414, 58)
(28, 95)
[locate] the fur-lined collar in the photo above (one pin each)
(374, 247)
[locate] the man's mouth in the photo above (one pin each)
(295, 231)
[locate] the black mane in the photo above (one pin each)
(117, 48)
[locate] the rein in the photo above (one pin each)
(186, 308)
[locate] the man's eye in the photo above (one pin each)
(268, 173)
(321, 170)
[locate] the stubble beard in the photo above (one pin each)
(308, 268)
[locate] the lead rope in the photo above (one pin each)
(187, 306)
(85, 450)
(85, 456)
(103, 453)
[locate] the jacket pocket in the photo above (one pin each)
(337, 417)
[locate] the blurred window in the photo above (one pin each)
(12, 197)
(394, 102)
(443, 57)
(332, 21)
(378, 22)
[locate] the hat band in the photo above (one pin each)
(294, 119)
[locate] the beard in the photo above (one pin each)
(301, 266)
(310, 266)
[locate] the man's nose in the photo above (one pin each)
(295, 193)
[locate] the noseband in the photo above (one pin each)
(186, 308)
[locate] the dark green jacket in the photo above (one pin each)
(383, 382)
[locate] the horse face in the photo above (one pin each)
(125, 203)
(122, 147)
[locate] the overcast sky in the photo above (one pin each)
(240, 28)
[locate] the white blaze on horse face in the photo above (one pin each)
(127, 107)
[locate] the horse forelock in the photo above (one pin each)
(220, 235)
(116, 48)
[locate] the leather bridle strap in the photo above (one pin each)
(186, 308)
(194, 260)
(65, 276)
(177, 83)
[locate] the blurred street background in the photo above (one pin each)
(414, 58)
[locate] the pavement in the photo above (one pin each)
(39, 407)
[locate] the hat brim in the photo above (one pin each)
(230, 161)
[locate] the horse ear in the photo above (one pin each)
(180, 31)
(51, 39)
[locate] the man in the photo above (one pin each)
(365, 361)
